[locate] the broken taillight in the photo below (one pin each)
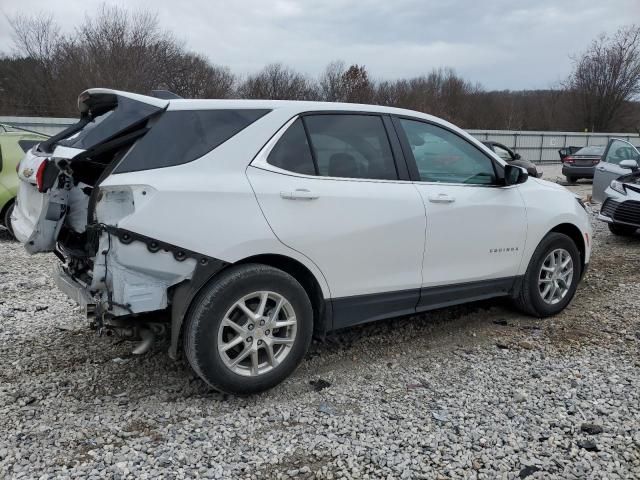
(40, 175)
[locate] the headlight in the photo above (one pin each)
(618, 187)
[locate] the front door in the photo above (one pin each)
(609, 167)
(476, 229)
(330, 189)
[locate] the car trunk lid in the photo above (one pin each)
(58, 176)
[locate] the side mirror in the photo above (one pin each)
(630, 164)
(514, 175)
(517, 156)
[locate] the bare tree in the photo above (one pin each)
(330, 82)
(277, 82)
(193, 76)
(606, 76)
(128, 50)
(356, 86)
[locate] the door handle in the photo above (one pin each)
(441, 198)
(299, 194)
(602, 169)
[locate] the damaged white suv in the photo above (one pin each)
(241, 227)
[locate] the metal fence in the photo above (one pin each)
(539, 147)
(542, 147)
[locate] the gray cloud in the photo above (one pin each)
(501, 44)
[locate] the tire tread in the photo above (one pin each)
(228, 279)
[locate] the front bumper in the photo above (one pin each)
(626, 212)
(582, 172)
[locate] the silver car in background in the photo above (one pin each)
(617, 185)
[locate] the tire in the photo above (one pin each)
(623, 230)
(571, 179)
(6, 219)
(218, 303)
(529, 298)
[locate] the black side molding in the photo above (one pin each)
(447, 295)
(350, 311)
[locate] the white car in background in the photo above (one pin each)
(243, 227)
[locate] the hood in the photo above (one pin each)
(548, 184)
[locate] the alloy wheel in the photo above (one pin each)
(555, 276)
(257, 333)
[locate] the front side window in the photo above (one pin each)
(619, 151)
(351, 146)
(443, 156)
(292, 152)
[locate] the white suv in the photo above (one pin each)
(246, 226)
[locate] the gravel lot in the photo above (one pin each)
(470, 392)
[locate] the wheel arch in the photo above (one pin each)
(306, 278)
(184, 294)
(575, 234)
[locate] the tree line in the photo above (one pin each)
(125, 50)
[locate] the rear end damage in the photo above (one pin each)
(122, 279)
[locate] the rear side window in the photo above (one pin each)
(292, 151)
(351, 146)
(182, 136)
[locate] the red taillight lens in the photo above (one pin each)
(40, 175)
(595, 162)
(568, 160)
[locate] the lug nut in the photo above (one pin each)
(249, 339)
(250, 326)
(259, 342)
(261, 322)
(267, 332)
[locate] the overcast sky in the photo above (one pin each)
(503, 44)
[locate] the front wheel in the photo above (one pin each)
(551, 278)
(249, 330)
(624, 230)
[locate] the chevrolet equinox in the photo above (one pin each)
(242, 227)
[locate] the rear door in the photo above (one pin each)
(609, 167)
(332, 186)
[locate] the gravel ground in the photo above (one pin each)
(476, 391)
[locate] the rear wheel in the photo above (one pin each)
(551, 278)
(6, 220)
(624, 230)
(249, 330)
(571, 179)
